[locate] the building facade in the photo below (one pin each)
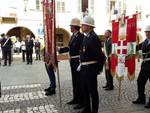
(21, 17)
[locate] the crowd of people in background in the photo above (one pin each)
(25, 47)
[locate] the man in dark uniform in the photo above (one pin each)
(2, 36)
(6, 45)
(74, 50)
(29, 49)
(91, 58)
(144, 74)
(107, 49)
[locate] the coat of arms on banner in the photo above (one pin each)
(123, 46)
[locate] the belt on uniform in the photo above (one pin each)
(88, 62)
(76, 56)
(146, 59)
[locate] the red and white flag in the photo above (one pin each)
(123, 47)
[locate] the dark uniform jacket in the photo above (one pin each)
(7, 46)
(108, 46)
(145, 47)
(74, 45)
(91, 51)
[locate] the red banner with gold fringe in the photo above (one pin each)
(50, 28)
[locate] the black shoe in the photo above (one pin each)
(48, 89)
(50, 93)
(78, 106)
(5, 65)
(72, 102)
(84, 111)
(147, 105)
(109, 89)
(139, 101)
(105, 86)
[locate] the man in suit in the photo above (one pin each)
(29, 49)
(107, 49)
(37, 49)
(144, 74)
(6, 45)
(91, 60)
(74, 51)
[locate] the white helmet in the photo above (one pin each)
(88, 21)
(147, 28)
(75, 22)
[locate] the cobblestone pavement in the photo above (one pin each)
(23, 91)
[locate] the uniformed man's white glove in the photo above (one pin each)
(140, 52)
(79, 68)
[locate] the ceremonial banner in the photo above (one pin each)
(123, 47)
(50, 37)
(114, 57)
(49, 28)
(131, 46)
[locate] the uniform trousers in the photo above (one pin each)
(23, 55)
(7, 56)
(29, 57)
(38, 54)
(144, 75)
(89, 88)
(76, 81)
(109, 77)
(51, 75)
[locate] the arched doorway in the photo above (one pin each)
(20, 32)
(62, 37)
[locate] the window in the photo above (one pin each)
(60, 6)
(112, 7)
(85, 5)
(37, 4)
(59, 40)
(8, 20)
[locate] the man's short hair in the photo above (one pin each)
(2, 35)
(77, 28)
(108, 30)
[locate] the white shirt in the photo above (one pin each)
(23, 47)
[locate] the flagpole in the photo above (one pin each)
(53, 34)
(57, 67)
(119, 93)
(0, 90)
(59, 88)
